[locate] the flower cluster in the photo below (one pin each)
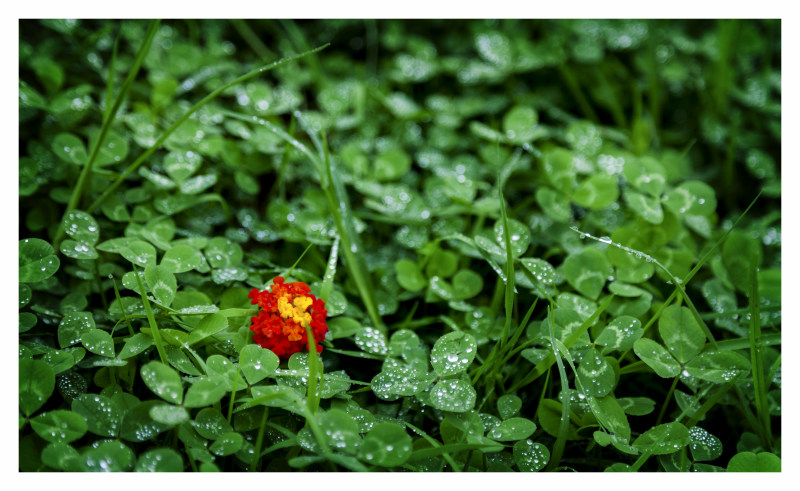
(285, 313)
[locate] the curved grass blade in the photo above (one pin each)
(108, 118)
(135, 165)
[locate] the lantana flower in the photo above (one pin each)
(285, 313)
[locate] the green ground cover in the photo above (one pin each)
(542, 245)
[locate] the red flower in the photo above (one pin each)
(285, 313)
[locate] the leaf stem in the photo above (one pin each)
(667, 399)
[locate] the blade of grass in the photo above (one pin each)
(121, 307)
(710, 402)
(330, 272)
(142, 158)
(315, 373)
(667, 399)
(259, 441)
(696, 267)
(675, 281)
(509, 293)
(575, 88)
(151, 319)
(757, 362)
(109, 98)
(289, 271)
(340, 210)
(233, 393)
(744, 343)
(108, 119)
(251, 38)
(543, 366)
(499, 348)
(435, 444)
(563, 428)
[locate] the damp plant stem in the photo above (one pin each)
(337, 200)
(151, 319)
(667, 400)
(543, 366)
(563, 429)
(315, 373)
(259, 440)
(509, 292)
(122, 306)
(233, 394)
(757, 362)
(675, 281)
(142, 158)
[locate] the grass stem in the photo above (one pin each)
(142, 158)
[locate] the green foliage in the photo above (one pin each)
(537, 252)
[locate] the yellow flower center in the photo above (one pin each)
(295, 310)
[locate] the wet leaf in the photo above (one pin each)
(611, 415)
(209, 325)
(530, 456)
(645, 174)
(61, 456)
(620, 333)
(409, 275)
(36, 384)
(587, 271)
(81, 226)
(453, 353)
(508, 405)
(456, 395)
(597, 192)
(98, 342)
(637, 406)
(72, 326)
(37, 260)
(656, 357)
(70, 148)
(139, 253)
(204, 392)
(257, 363)
(520, 124)
(222, 252)
(647, 207)
(103, 415)
(386, 445)
(691, 198)
(704, 445)
(340, 431)
(159, 460)
(168, 414)
(372, 340)
(391, 165)
(161, 283)
(752, 462)
(400, 380)
(134, 345)
(663, 439)
(163, 381)
(112, 456)
(181, 165)
(518, 233)
(718, 366)
(512, 429)
(59, 426)
(596, 375)
(682, 335)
